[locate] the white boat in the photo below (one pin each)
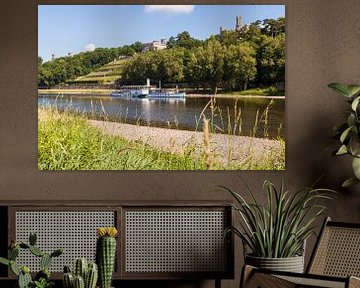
(130, 92)
(165, 93)
(147, 91)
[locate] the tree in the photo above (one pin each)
(206, 64)
(240, 65)
(183, 40)
(271, 60)
(273, 27)
(165, 65)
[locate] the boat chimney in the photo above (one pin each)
(148, 82)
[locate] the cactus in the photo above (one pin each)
(67, 269)
(45, 261)
(43, 274)
(14, 268)
(87, 272)
(13, 253)
(23, 273)
(32, 238)
(36, 251)
(68, 280)
(79, 282)
(24, 279)
(80, 267)
(57, 252)
(4, 261)
(91, 276)
(105, 255)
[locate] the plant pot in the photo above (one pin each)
(291, 264)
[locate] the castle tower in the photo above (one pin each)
(238, 24)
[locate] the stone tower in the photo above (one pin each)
(238, 24)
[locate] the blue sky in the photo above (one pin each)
(72, 28)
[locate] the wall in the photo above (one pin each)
(323, 46)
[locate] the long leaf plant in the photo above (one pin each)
(279, 229)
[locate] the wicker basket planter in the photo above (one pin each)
(291, 264)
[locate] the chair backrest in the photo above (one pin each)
(337, 251)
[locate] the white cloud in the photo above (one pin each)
(184, 9)
(89, 47)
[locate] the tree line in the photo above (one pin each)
(63, 69)
(234, 59)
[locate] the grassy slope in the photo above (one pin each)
(106, 74)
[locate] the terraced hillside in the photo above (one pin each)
(106, 74)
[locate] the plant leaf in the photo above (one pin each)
(355, 103)
(345, 134)
(4, 261)
(349, 182)
(356, 167)
(353, 89)
(351, 120)
(342, 150)
(341, 89)
(354, 145)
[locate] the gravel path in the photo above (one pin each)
(228, 150)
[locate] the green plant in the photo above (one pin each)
(42, 278)
(85, 275)
(105, 254)
(279, 229)
(349, 132)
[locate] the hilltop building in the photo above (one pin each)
(155, 45)
(238, 25)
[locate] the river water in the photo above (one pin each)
(185, 114)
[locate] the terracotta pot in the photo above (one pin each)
(291, 264)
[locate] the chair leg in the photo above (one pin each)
(217, 283)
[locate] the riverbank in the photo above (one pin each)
(107, 92)
(227, 150)
(67, 142)
(102, 92)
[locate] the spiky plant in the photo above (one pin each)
(106, 254)
(279, 229)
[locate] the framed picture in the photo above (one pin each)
(161, 87)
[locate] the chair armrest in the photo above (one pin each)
(354, 282)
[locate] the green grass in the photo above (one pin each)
(68, 142)
(269, 91)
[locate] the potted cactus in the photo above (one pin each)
(42, 278)
(85, 275)
(106, 254)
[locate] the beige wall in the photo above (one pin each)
(323, 46)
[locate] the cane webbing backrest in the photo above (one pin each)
(338, 251)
